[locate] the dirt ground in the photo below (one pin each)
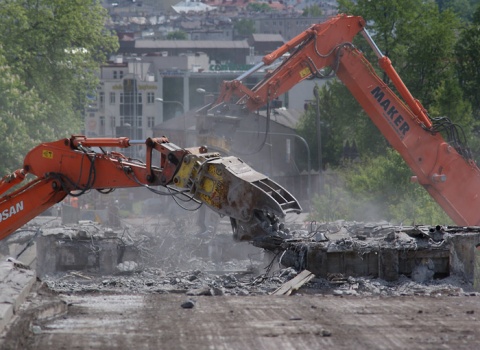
(300, 321)
(210, 302)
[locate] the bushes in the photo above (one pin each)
(376, 189)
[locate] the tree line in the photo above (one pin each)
(50, 51)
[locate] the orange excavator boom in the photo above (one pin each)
(443, 167)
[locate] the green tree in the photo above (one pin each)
(467, 52)
(341, 120)
(416, 36)
(24, 119)
(177, 35)
(383, 185)
(463, 8)
(55, 48)
(376, 189)
(312, 11)
(258, 7)
(422, 43)
(423, 55)
(244, 27)
(428, 54)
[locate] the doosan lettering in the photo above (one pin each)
(398, 121)
(14, 209)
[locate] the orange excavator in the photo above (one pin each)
(444, 168)
(73, 166)
(229, 186)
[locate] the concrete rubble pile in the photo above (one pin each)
(92, 248)
(192, 283)
(90, 258)
(346, 258)
(379, 250)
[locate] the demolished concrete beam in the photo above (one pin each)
(386, 253)
(295, 283)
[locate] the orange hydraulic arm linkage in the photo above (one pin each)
(443, 169)
(71, 165)
(78, 164)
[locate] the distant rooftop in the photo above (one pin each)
(267, 37)
(191, 6)
(190, 44)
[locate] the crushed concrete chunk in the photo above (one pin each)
(189, 304)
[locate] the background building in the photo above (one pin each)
(156, 87)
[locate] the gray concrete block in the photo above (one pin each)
(4, 270)
(84, 247)
(29, 256)
(388, 264)
(462, 254)
(6, 314)
(15, 286)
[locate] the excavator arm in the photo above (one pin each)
(308, 53)
(79, 164)
(443, 168)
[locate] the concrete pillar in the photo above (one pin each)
(186, 92)
(388, 264)
(476, 269)
(462, 254)
(160, 119)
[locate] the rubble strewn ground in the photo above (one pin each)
(181, 260)
(167, 265)
(196, 282)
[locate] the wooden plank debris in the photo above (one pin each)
(79, 274)
(295, 283)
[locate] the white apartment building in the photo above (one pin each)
(135, 94)
(124, 104)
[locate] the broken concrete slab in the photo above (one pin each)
(94, 248)
(294, 284)
(83, 247)
(461, 244)
(378, 250)
(6, 314)
(15, 284)
(476, 269)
